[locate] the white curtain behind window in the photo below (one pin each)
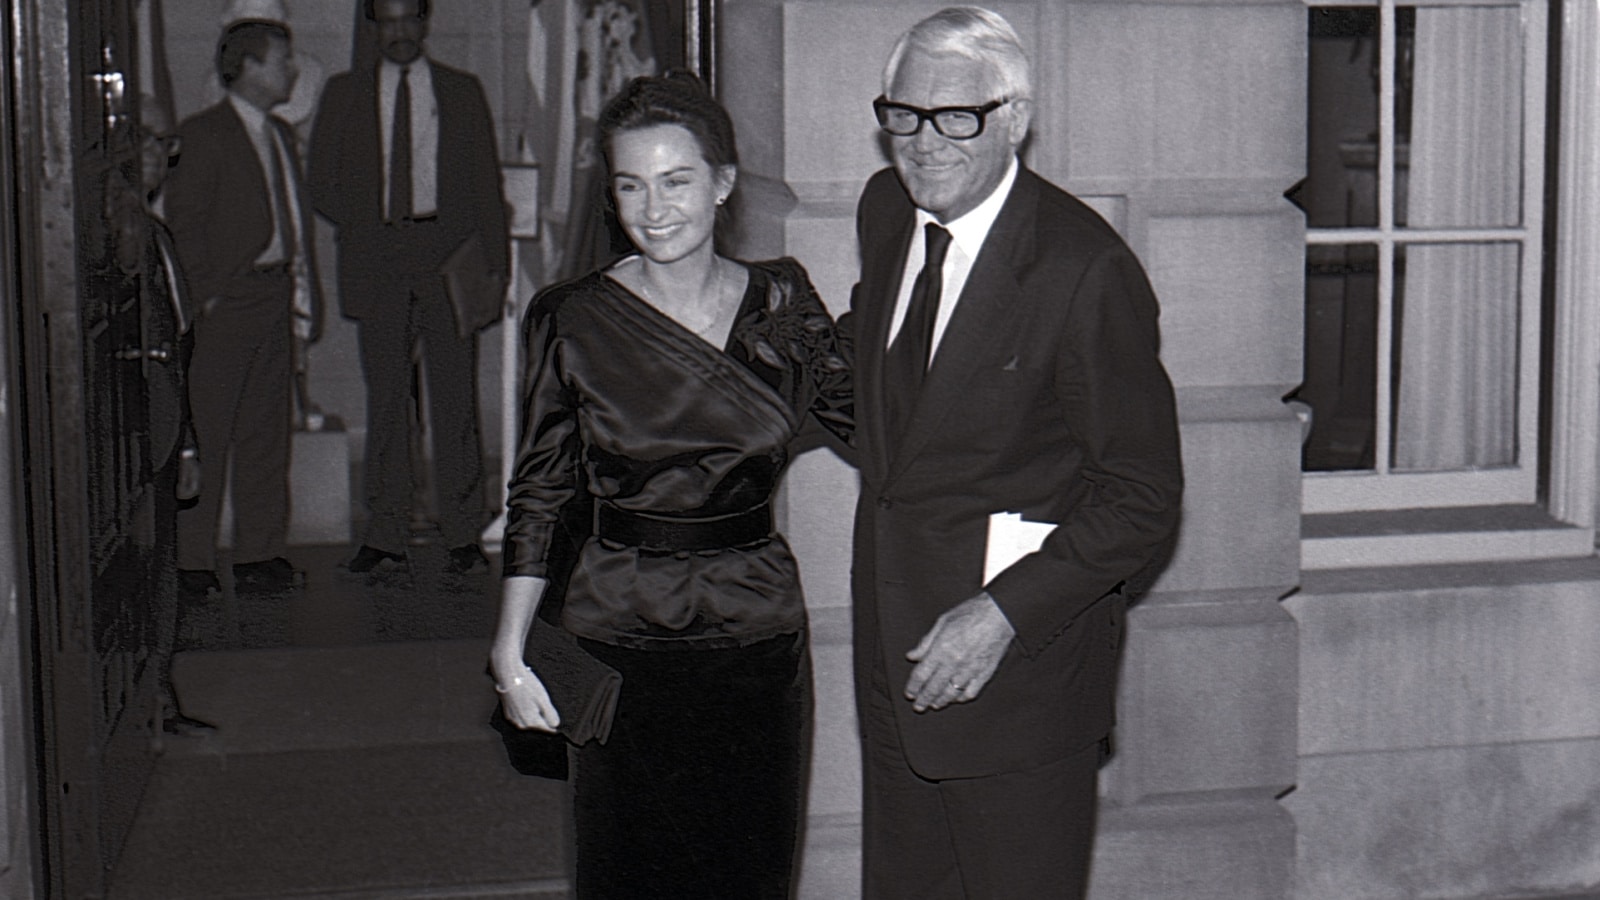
(1456, 393)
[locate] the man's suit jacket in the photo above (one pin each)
(376, 268)
(1045, 397)
(219, 205)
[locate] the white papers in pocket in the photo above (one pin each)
(1010, 539)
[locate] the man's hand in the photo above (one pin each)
(959, 654)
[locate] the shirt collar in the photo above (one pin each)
(391, 69)
(968, 231)
(254, 119)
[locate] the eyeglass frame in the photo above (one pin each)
(925, 116)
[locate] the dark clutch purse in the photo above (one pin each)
(584, 691)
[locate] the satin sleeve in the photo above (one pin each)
(829, 380)
(545, 477)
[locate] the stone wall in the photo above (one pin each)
(1449, 735)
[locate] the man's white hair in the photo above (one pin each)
(973, 32)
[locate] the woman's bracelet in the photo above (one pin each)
(515, 682)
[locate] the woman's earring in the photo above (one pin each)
(721, 200)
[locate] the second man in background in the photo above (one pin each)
(403, 162)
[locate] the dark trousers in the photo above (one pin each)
(994, 837)
(450, 366)
(698, 791)
(240, 383)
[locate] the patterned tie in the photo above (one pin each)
(400, 151)
(907, 360)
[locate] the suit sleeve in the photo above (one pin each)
(545, 476)
(327, 150)
(830, 380)
(1119, 405)
(308, 306)
(848, 328)
(489, 204)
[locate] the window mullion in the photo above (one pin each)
(1386, 222)
(1532, 264)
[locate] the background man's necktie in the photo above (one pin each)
(400, 151)
(282, 194)
(907, 360)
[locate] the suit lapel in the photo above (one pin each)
(364, 154)
(989, 299)
(253, 216)
(884, 257)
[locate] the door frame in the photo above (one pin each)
(53, 467)
(21, 860)
(49, 369)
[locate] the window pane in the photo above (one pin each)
(1460, 84)
(1341, 185)
(1456, 359)
(1341, 354)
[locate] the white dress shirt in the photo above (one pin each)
(424, 134)
(967, 235)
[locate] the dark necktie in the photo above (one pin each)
(400, 152)
(907, 360)
(281, 194)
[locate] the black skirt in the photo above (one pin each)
(699, 791)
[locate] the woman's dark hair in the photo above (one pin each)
(246, 40)
(677, 97)
(368, 9)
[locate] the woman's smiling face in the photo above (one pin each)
(666, 192)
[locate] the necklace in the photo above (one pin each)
(718, 313)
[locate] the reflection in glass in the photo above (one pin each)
(1465, 93)
(1455, 375)
(1341, 341)
(1341, 185)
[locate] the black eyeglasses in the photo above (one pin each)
(955, 122)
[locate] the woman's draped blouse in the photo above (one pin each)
(626, 404)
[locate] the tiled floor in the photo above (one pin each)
(352, 758)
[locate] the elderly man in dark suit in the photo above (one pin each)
(1020, 477)
(240, 221)
(403, 162)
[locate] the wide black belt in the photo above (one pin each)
(740, 529)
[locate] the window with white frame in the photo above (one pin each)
(1424, 204)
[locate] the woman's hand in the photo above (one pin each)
(522, 695)
(188, 474)
(525, 700)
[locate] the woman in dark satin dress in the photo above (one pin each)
(666, 390)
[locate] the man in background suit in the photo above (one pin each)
(403, 162)
(240, 222)
(1006, 343)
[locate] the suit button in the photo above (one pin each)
(885, 503)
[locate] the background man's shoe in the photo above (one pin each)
(268, 576)
(468, 560)
(182, 725)
(372, 561)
